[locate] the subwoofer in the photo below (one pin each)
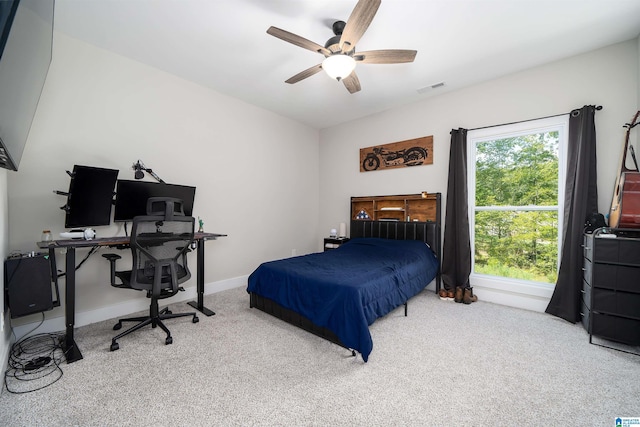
(28, 284)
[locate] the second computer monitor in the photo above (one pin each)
(131, 197)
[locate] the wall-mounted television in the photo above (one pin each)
(26, 40)
(90, 196)
(131, 197)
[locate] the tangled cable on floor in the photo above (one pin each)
(34, 363)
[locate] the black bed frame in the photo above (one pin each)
(428, 232)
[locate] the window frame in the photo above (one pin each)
(548, 124)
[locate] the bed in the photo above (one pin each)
(339, 293)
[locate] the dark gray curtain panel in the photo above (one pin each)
(456, 252)
(581, 199)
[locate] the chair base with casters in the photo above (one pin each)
(155, 317)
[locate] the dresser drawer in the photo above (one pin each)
(615, 328)
(616, 302)
(586, 294)
(584, 314)
(587, 247)
(587, 270)
(617, 277)
(618, 250)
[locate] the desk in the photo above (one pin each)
(71, 350)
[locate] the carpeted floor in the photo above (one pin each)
(445, 364)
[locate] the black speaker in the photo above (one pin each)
(27, 281)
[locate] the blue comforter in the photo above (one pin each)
(346, 289)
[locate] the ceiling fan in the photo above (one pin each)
(340, 50)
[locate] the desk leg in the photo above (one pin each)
(69, 346)
(199, 304)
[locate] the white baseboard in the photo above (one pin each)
(126, 308)
(512, 299)
(532, 296)
(5, 340)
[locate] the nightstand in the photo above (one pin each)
(334, 242)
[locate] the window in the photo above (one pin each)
(516, 187)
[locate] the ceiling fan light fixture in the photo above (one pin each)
(339, 66)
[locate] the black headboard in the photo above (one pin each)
(428, 232)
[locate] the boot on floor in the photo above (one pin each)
(468, 296)
(459, 296)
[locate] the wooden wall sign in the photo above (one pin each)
(412, 152)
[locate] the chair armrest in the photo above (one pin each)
(111, 257)
(112, 266)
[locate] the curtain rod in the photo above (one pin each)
(599, 107)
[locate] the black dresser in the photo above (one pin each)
(611, 285)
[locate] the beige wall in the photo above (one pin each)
(607, 77)
(256, 173)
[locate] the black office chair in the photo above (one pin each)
(160, 241)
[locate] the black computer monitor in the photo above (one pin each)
(131, 197)
(90, 196)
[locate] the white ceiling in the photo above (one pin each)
(223, 44)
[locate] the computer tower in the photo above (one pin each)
(27, 281)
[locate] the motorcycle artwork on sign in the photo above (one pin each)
(412, 152)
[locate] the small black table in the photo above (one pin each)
(334, 242)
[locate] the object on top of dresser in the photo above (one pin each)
(610, 233)
(594, 221)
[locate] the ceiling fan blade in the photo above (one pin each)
(304, 74)
(386, 56)
(297, 40)
(352, 83)
(358, 23)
